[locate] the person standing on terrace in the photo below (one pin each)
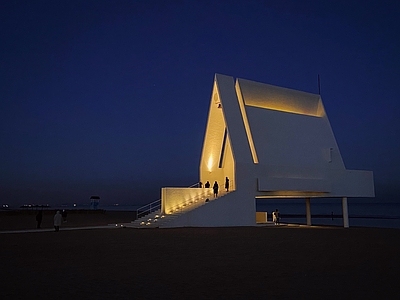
(215, 188)
(227, 184)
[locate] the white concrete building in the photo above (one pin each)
(271, 142)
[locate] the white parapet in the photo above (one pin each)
(177, 199)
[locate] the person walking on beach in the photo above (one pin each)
(207, 185)
(57, 221)
(39, 218)
(227, 184)
(215, 188)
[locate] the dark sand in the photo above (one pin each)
(202, 263)
(10, 220)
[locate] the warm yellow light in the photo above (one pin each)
(289, 108)
(210, 163)
(267, 96)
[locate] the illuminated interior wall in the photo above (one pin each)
(261, 217)
(217, 161)
(278, 98)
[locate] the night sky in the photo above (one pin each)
(111, 98)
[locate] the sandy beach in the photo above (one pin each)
(10, 220)
(199, 263)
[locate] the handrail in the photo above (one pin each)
(148, 208)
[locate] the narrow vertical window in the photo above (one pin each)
(221, 158)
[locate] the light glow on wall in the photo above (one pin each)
(217, 161)
(210, 163)
(281, 99)
(277, 105)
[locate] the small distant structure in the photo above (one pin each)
(94, 202)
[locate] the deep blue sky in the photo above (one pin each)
(111, 98)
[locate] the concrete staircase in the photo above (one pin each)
(152, 220)
(156, 219)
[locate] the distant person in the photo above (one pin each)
(207, 185)
(200, 184)
(227, 184)
(64, 215)
(215, 188)
(274, 217)
(39, 217)
(277, 216)
(57, 221)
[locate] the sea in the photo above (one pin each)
(362, 212)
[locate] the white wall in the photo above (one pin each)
(174, 198)
(234, 209)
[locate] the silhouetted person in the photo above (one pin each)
(215, 188)
(39, 218)
(277, 216)
(207, 185)
(227, 184)
(57, 221)
(200, 184)
(64, 215)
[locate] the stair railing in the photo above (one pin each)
(148, 208)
